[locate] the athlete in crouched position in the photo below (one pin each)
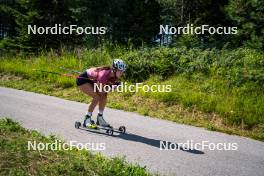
(100, 75)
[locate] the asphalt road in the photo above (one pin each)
(51, 115)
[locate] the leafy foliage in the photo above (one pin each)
(248, 15)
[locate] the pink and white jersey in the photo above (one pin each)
(101, 76)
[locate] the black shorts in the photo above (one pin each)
(83, 78)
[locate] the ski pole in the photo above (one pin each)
(61, 74)
(74, 71)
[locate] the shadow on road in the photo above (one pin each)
(155, 142)
(145, 140)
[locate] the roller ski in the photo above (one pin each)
(100, 125)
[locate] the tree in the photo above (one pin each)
(42, 13)
(248, 16)
(136, 21)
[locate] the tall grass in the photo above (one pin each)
(229, 83)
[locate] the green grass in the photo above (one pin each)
(216, 89)
(16, 159)
(236, 105)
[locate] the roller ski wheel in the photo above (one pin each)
(77, 125)
(110, 132)
(122, 129)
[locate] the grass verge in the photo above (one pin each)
(16, 159)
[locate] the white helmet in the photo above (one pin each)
(119, 64)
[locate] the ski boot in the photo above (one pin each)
(101, 122)
(89, 123)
